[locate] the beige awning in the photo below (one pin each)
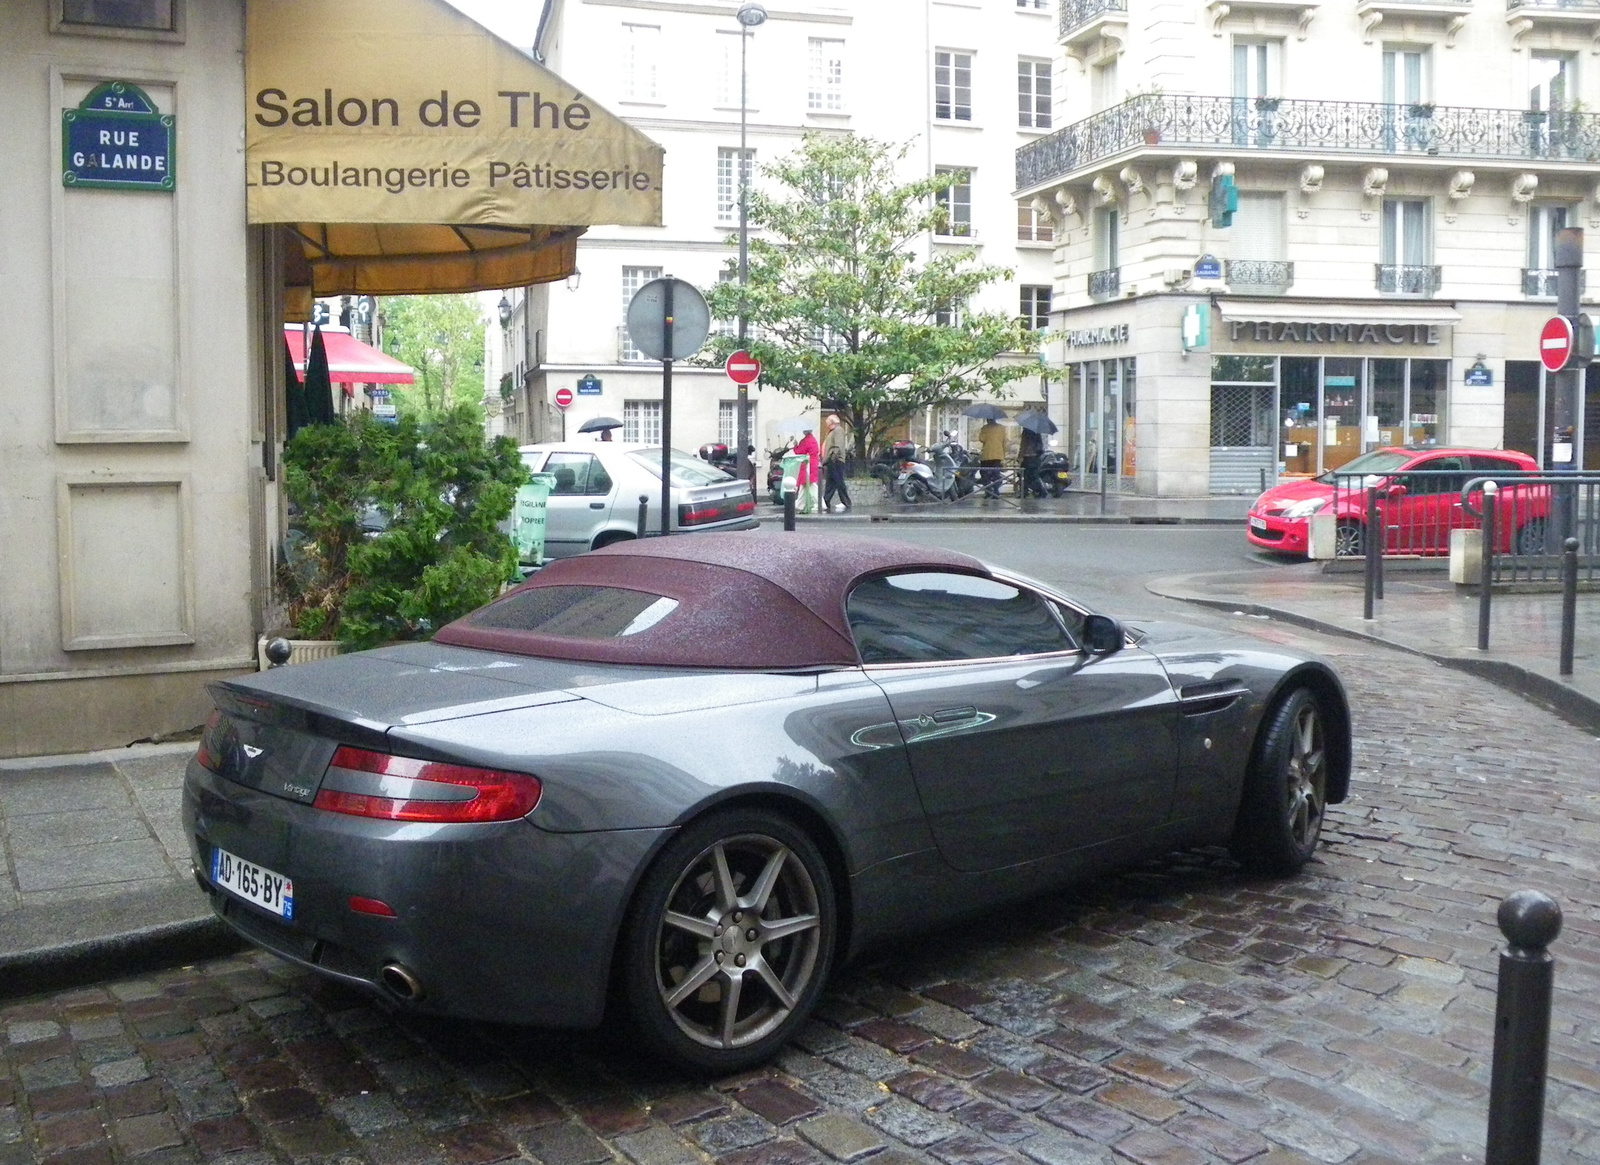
(410, 151)
(1292, 312)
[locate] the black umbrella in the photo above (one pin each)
(1037, 423)
(319, 384)
(294, 396)
(596, 424)
(984, 411)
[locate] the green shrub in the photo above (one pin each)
(444, 491)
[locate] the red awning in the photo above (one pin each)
(349, 360)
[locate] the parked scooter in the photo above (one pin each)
(941, 473)
(775, 472)
(1055, 473)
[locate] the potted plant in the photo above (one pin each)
(395, 528)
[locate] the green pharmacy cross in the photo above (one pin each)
(118, 140)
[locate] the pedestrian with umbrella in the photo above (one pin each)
(601, 425)
(1035, 427)
(991, 445)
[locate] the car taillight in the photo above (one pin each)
(211, 751)
(434, 790)
(696, 513)
(747, 506)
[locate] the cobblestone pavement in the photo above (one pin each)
(1178, 1015)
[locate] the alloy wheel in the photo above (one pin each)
(738, 942)
(1307, 777)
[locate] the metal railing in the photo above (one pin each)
(1542, 281)
(1256, 273)
(1525, 548)
(1361, 128)
(1104, 284)
(1076, 13)
(1554, 5)
(1404, 279)
(1418, 509)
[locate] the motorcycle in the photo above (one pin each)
(942, 473)
(775, 472)
(1055, 471)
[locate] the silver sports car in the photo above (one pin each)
(685, 777)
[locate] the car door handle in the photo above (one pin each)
(955, 715)
(597, 505)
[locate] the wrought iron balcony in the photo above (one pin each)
(1105, 284)
(1400, 279)
(1173, 122)
(1554, 5)
(1077, 13)
(1268, 274)
(1542, 281)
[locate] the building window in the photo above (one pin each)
(1406, 78)
(728, 181)
(956, 201)
(641, 421)
(727, 80)
(1104, 90)
(825, 94)
(1035, 307)
(1033, 227)
(1040, 5)
(728, 423)
(633, 278)
(1105, 238)
(1033, 94)
(1539, 277)
(947, 315)
(952, 86)
(641, 58)
(1405, 249)
(144, 15)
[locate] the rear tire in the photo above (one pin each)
(910, 491)
(728, 941)
(1533, 537)
(1349, 539)
(1286, 788)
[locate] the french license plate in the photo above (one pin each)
(255, 884)
(1258, 524)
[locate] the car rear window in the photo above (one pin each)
(686, 470)
(577, 612)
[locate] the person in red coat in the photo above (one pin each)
(810, 472)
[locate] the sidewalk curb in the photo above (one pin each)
(914, 518)
(1572, 706)
(54, 968)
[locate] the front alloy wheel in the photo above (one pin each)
(730, 941)
(1286, 790)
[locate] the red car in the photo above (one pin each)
(1419, 508)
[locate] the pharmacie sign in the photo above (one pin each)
(1095, 337)
(117, 140)
(408, 111)
(1326, 332)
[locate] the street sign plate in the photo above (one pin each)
(743, 368)
(590, 385)
(1556, 343)
(563, 397)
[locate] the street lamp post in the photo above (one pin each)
(750, 15)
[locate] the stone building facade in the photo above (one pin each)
(1398, 169)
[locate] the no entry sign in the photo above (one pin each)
(1556, 343)
(563, 397)
(742, 367)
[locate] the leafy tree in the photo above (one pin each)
(441, 336)
(844, 305)
(443, 491)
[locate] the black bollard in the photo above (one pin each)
(1569, 602)
(788, 512)
(1491, 498)
(278, 652)
(1530, 920)
(644, 513)
(1372, 550)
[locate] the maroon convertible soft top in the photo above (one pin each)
(746, 600)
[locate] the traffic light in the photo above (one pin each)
(1224, 200)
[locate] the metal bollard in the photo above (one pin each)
(1569, 602)
(1102, 489)
(1530, 920)
(1372, 549)
(644, 513)
(788, 512)
(1491, 493)
(278, 652)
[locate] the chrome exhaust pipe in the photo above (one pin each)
(401, 982)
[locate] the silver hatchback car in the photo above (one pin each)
(598, 485)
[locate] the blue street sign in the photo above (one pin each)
(118, 140)
(1208, 267)
(589, 385)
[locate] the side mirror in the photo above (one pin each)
(1102, 634)
(1396, 490)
